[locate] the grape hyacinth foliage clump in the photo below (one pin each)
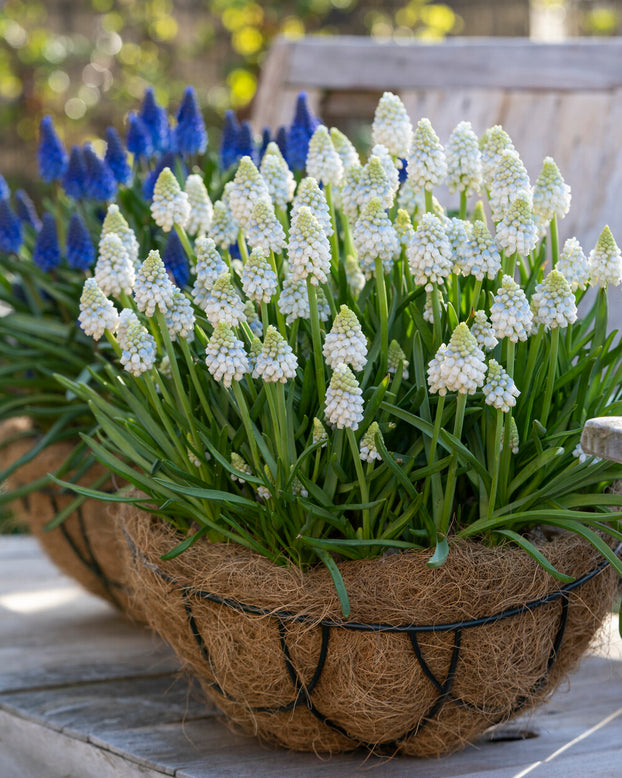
(351, 368)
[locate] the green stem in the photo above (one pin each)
(511, 264)
(504, 477)
(185, 242)
(477, 290)
(317, 343)
(330, 482)
(450, 486)
(113, 342)
(496, 460)
(356, 455)
(334, 240)
(550, 378)
(429, 203)
(383, 314)
(463, 205)
(195, 381)
(242, 247)
(248, 425)
(554, 241)
(435, 480)
(288, 429)
(436, 313)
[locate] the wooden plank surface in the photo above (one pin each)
(349, 62)
(107, 701)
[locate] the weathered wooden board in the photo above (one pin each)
(87, 713)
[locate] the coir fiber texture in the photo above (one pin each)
(88, 545)
(282, 664)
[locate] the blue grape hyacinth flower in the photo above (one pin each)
(46, 253)
(246, 142)
(281, 141)
(190, 132)
(176, 261)
(80, 250)
(5, 192)
(100, 183)
(229, 141)
(265, 139)
(51, 154)
(116, 157)
(155, 120)
(26, 211)
(302, 128)
(138, 139)
(74, 177)
(11, 236)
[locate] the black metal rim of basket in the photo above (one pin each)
(87, 558)
(303, 692)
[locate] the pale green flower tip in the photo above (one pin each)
(239, 463)
(462, 340)
(255, 347)
(258, 256)
(272, 150)
(425, 134)
(606, 242)
(478, 214)
(499, 390)
(166, 183)
(556, 283)
(373, 207)
(368, 448)
(223, 284)
(319, 432)
(247, 172)
(514, 437)
(273, 338)
(348, 154)
(276, 363)
(323, 161)
(153, 264)
(114, 221)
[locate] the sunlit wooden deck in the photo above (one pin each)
(85, 694)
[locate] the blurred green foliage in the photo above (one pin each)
(87, 63)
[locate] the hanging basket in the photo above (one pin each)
(427, 660)
(88, 545)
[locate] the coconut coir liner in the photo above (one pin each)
(89, 545)
(371, 685)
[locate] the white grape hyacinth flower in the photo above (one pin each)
(308, 248)
(225, 357)
(344, 401)
(367, 447)
(209, 267)
(510, 313)
(246, 188)
(264, 230)
(392, 126)
(349, 192)
(97, 312)
(492, 144)
(278, 177)
(223, 303)
(138, 348)
(114, 269)
(427, 165)
(517, 232)
(354, 275)
(323, 162)
(389, 164)
(429, 254)
(573, 265)
(294, 299)
(346, 342)
(483, 332)
(114, 221)
(319, 434)
(499, 390)
(310, 194)
(553, 302)
(375, 238)
(179, 317)
(458, 366)
(514, 438)
(224, 228)
(170, 204)
(259, 281)
(510, 181)
(343, 146)
(551, 194)
(238, 463)
(373, 181)
(580, 454)
(404, 227)
(153, 288)
(605, 261)
(464, 160)
(276, 362)
(481, 257)
(201, 208)
(458, 233)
